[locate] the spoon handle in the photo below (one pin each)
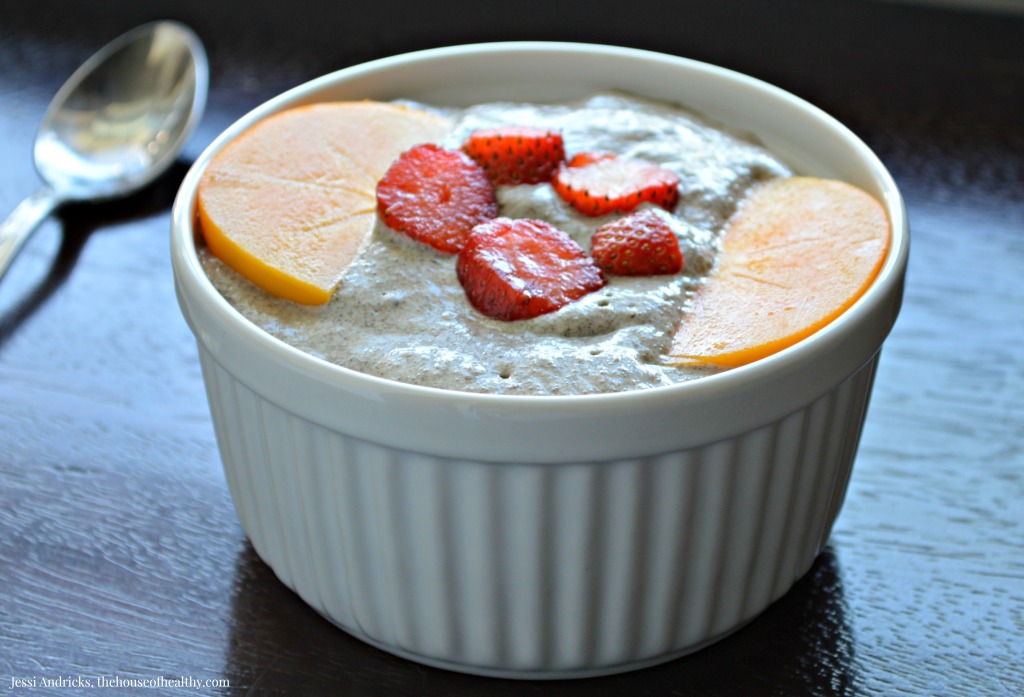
(22, 222)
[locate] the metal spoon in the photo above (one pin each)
(116, 125)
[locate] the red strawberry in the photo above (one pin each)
(589, 157)
(516, 154)
(522, 268)
(615, 185)
(639, 244)
(435, 196)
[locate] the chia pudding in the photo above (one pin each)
(400, 312)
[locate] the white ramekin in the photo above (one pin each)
(545, 536)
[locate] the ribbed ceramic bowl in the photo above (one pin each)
(545, 536)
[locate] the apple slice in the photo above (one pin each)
(796, 254)
(290, 202)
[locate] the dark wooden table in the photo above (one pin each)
(120, 553)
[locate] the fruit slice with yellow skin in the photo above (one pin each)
(797, 253)
(291, 201)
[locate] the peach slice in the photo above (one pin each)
(796, 254)
(290, 202)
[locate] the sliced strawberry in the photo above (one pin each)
(436, 196)
(523, 268)
(615, 185)
(589, 157)
(642, 243)
(516, 154)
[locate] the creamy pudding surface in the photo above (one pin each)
(400, 312)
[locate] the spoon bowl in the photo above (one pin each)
(117, 124)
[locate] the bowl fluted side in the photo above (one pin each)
(531, 570)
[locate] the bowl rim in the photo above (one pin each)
(192, 284)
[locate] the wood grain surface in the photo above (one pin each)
(120, 553)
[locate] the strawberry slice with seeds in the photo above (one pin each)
(435, 195)
(516, 154)
(603, 185)
(642, 243)
(514, 269)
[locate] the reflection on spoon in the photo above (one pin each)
(116, 125)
